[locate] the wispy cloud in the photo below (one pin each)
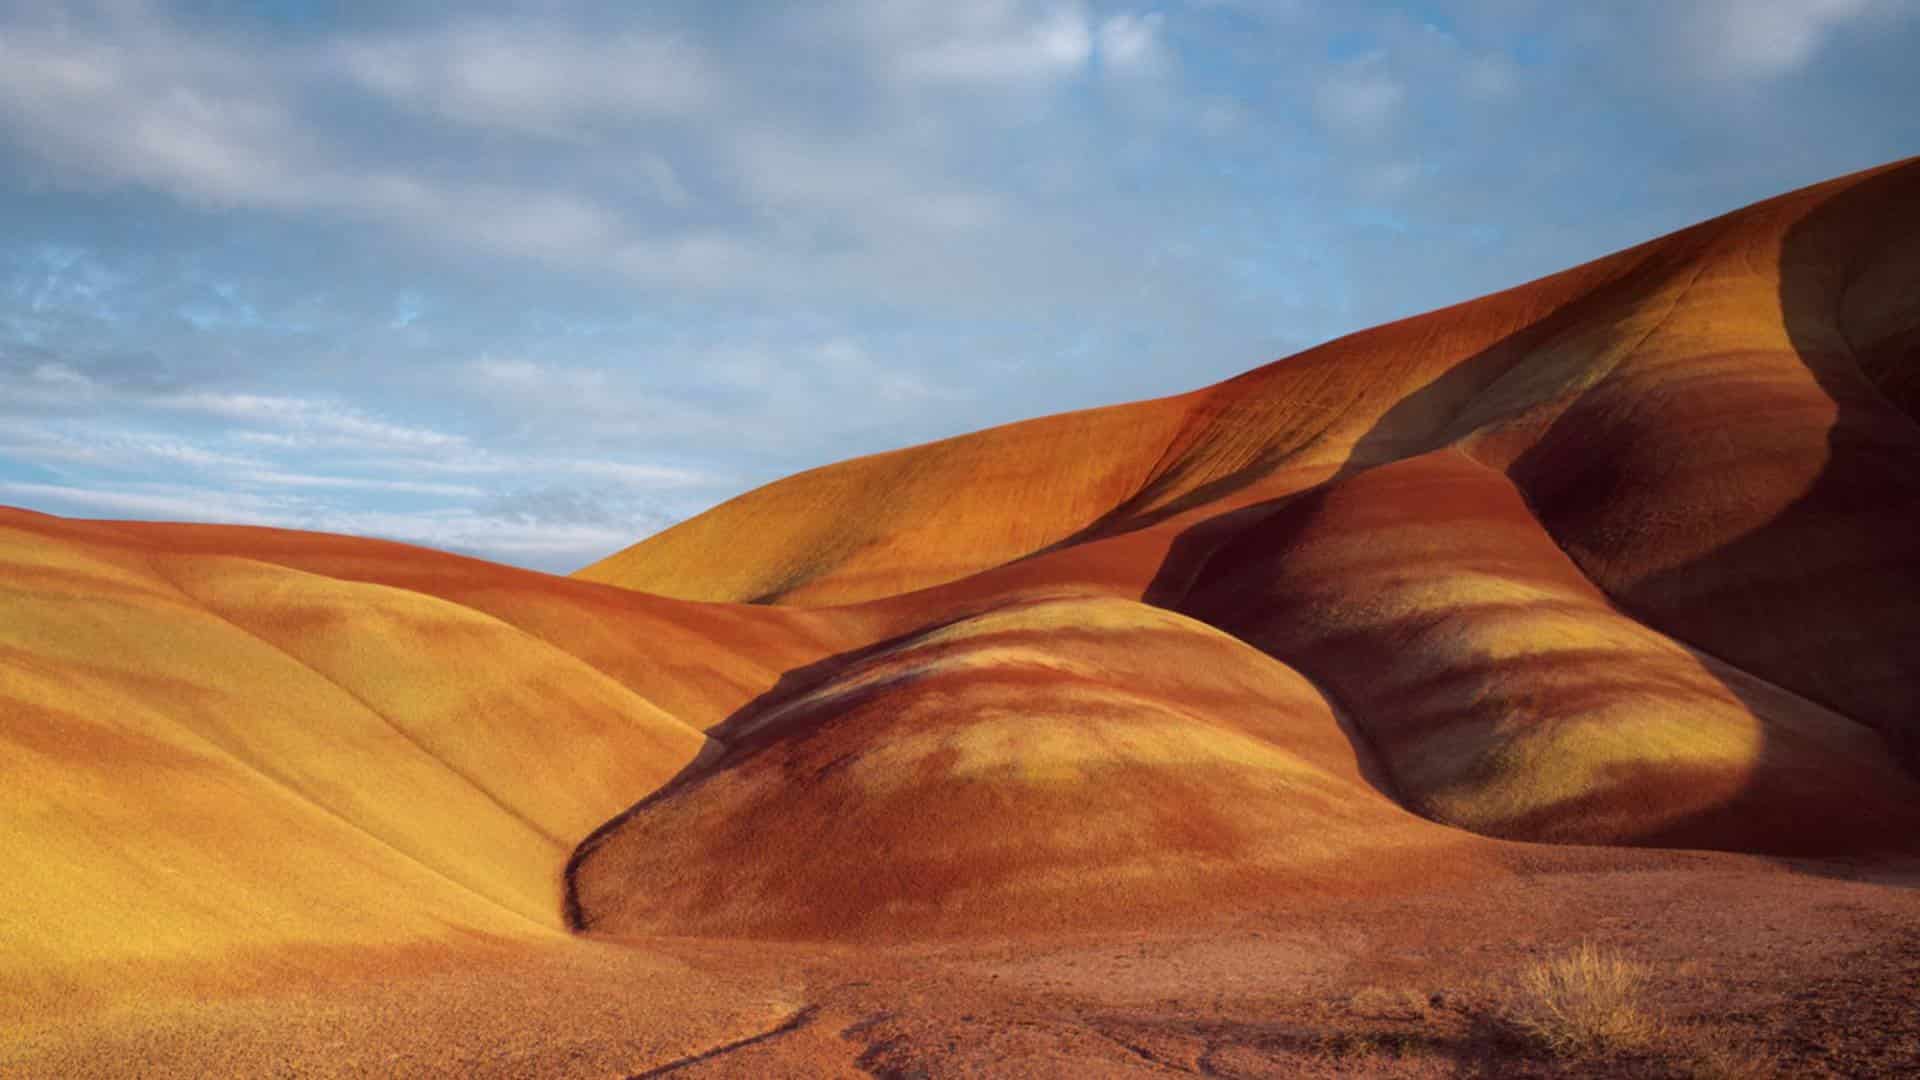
(994, 44)
(310, 423)
(1360, 100)
(501, 529)
(1748, 39)
(529, 76)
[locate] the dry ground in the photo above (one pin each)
(1753, 968)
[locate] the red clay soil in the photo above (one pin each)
(1754, 969)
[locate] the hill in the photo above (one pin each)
(1625, 557)
(1628, 555)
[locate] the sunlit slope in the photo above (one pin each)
(1505, 694)
(891, 522)
(162, 768)
(698, 662)
(211, 757)
(1049, 764)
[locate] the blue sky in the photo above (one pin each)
(532, 282)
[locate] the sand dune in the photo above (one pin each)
(1626, 556)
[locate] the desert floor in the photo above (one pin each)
(1752, 967)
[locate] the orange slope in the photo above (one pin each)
(1050, 764)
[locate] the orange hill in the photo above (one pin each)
(1628, 555)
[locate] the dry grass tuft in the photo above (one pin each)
(1586, 1002)
(1706, 1059)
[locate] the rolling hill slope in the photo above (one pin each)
(1626, 556)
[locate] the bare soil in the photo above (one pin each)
(1758, 968)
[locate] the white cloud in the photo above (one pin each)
(309, 422)
(140, 103)
(555, 545)
(757, 393)
(1758, 39)
(281, 478)
(168, 503)
(1361, 100)
(585, 150)
(166, 112)
(109, 448)
(531, 77)
(628, 476)
(863, 190)
(991, 43)
(1129, 41)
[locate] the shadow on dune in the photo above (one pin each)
(1778, 602)
(1823, 597)
(1760, 597)
(1417, 424)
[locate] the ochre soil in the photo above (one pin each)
(1789, 969)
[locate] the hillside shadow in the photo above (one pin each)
(1863, 503)
(1870, 480)
(1436, 406)
(1866, 476)
(1445, 397)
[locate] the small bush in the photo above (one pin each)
(1585, 1002)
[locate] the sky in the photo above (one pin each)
(532, 282)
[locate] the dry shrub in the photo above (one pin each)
(1707, 1058)
(1585, 1002)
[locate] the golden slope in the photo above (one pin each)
(891, 522)
(213, 755)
